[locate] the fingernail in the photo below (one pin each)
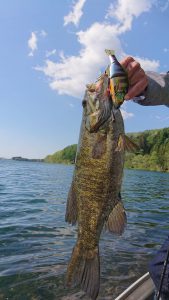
(126, 97)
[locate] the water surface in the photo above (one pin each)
(36, 243)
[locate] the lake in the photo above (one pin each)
(36, 243)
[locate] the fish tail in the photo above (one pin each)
(84, 270)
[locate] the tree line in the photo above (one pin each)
(153, 153)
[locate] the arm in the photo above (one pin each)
(154, 86)
(157, 91)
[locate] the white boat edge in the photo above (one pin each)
(143, 287)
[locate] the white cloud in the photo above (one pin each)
(50, 53)
(33, 40)
(165, 49)
(147, 64)
(125, 10)
(75, 15)
(32, 43)
(70, 74)
(43, 33)
(126, 115)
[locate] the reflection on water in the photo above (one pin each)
(36, 243)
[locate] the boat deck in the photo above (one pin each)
(142, 289)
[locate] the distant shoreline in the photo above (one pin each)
(68, 163)
(19, 158)
(125, 168)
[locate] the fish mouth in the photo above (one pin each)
(98, 104)
(98, 118)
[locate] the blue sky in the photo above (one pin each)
(51, 49)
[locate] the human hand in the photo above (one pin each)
(137, 78)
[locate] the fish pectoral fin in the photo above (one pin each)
(117, 219)
(84, 270)
(126, 144)
(71, 208)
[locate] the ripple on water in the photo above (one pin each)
(36, 243)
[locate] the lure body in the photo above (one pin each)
(118, 84)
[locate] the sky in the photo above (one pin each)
(51, 49)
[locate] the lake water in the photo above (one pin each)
(36, 243)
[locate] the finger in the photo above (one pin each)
(137, 76)
(126, 61)
(137, 89)
(132, 68)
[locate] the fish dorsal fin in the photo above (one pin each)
(126, 144)
(117, 219)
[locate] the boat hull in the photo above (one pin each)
(141, 289)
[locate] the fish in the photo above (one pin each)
(94, 199)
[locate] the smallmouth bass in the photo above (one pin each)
(94, 198)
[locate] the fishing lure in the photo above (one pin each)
(118, 84)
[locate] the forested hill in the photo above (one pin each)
(67, 155)
(153, 153)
